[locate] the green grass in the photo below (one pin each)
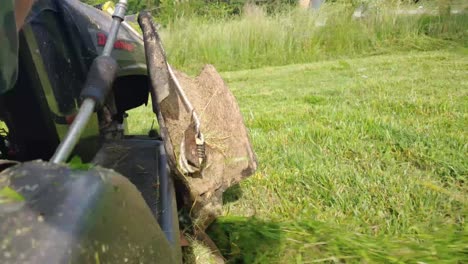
(256, 40)
(361, 160)
(362, 150)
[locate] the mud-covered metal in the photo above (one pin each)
(228, 156)
(143, 161)
(53, 214)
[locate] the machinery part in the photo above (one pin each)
(118, 17)
(167, 214)
(143, 161)
(5, 164)
(185, 100)
(87, 107)
(192, 157)
(54, 214)
(208, 152)
(147, 21)
(108, 7)
(196, 162)
(74, 132)
(4, 144)
(100, 78)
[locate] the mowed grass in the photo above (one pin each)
(360, 160)
(362, 151)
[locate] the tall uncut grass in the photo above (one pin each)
(296, 36)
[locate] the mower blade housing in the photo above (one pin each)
(225, 156)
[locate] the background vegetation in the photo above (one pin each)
(257, 39)
(233, 35)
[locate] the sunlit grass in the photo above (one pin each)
(361, 160)
(362, 143)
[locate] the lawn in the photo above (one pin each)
(361, 160)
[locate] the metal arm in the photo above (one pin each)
(88, 105)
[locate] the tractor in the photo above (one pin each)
(75, 186)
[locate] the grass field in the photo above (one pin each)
(363, 150)
(361, 160)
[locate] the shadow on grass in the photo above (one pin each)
(250, 240)
(232, 194)
(246, 240)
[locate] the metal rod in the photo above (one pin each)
(188, 105)
(184, 98)
(87, 107)
(117, 18)
(112, 36)
(73, 135)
